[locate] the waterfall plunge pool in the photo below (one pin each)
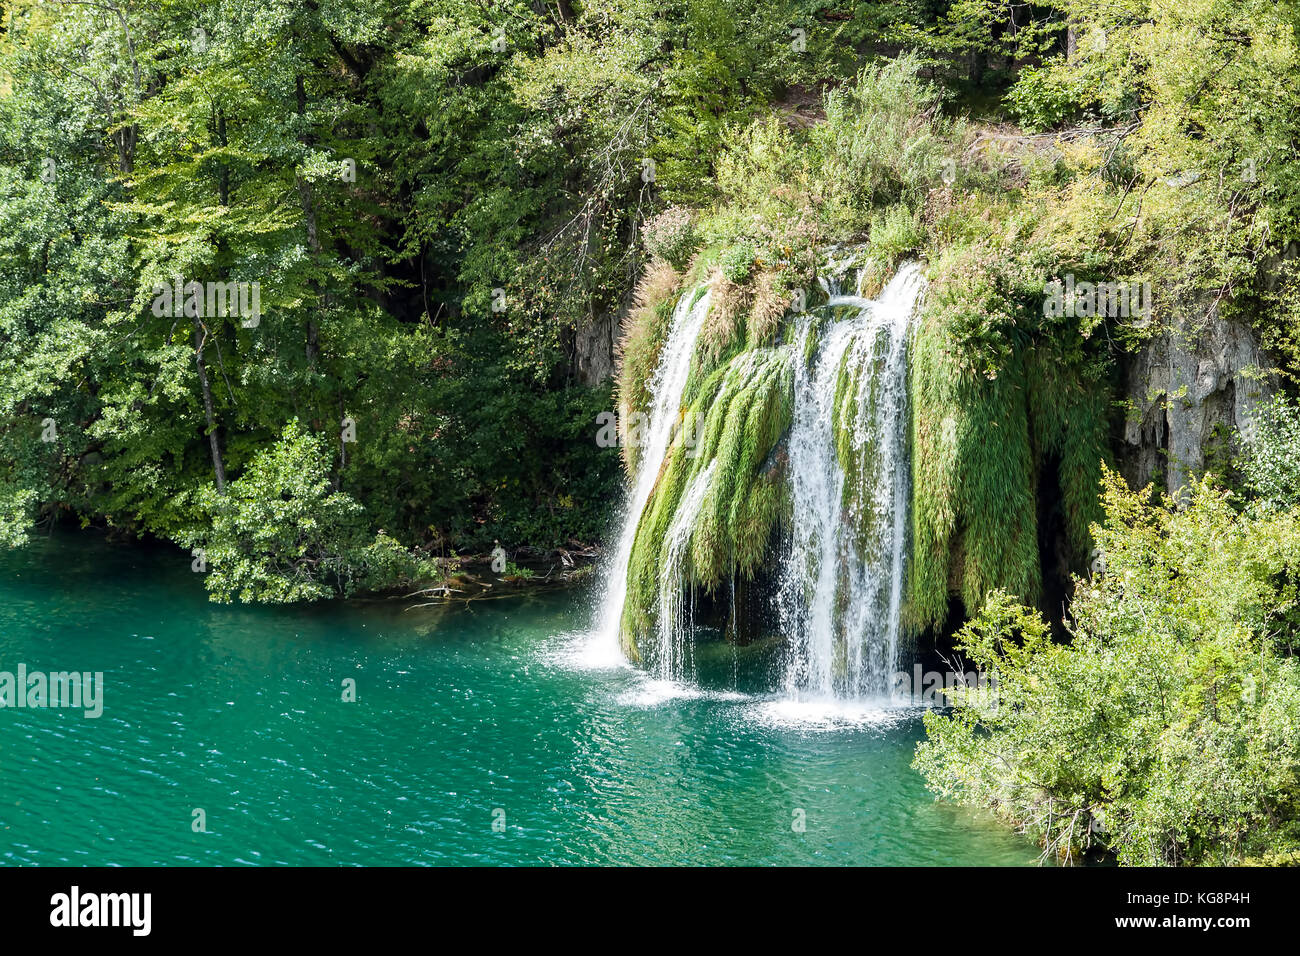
(464, 717)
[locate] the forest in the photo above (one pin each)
(335, 295)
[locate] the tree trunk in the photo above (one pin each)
(223, 181)
(343, 446)
(218, 466)
(309, 219)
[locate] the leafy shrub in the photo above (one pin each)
(1165, 731)
(671, 236)
(1270, 460)
(1046, 97)
(884, 139)
(515, 572)
(771, 193)
(16, 506)
(737, 261)
(281, 533)
(895, 233)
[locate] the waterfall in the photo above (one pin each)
(841, 581)
(673, 660)
(666, 388)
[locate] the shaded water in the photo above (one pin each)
(459, 712)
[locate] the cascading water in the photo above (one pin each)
(666, 388)
(672, 662)
(841, 583)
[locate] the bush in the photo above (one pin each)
(280, 533)
(895, 233)
(671, 236)
(1045, 98)
(1165, 732)
(884, 139)
(1270, 460)
(769, 199)
(737, 261)
(16, 507)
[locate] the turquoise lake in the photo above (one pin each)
(478, 736)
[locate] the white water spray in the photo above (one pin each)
(841, 583)
(675, 623)
(666, 388)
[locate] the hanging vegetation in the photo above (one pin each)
(735, 420)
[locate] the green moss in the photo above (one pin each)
(974, 520)
(1069, 419)
(737, 417)
(979, 443)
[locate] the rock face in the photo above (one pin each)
(593, 348)
(1189, 388)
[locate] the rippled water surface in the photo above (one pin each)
(464, 717)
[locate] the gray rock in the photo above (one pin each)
(593, 348)
(1190, 387)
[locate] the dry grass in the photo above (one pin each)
(644, 329)
(871, 280)
(727, 304)
(768, 308)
